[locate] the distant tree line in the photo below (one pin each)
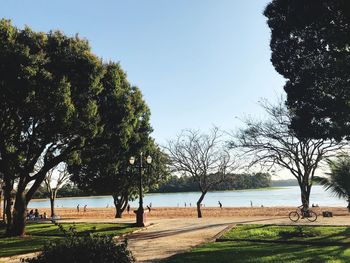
(231, 182)
(287, 182)
(68, 190)
(178, 184)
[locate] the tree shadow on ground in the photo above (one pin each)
(245, 252)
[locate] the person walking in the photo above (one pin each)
(220, 204)
(85, 208)
(128, 208)
(78, 208)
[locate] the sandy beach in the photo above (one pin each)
(189, 212)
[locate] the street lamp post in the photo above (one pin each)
(140, 210)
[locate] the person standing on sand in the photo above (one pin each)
(220, 204)
(149, 209)
(128, 208)
(251, 203)
(85, 208)
(78, 208)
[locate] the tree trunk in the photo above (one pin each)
(119, 211)
(52, 204)
(19, 215)
(199, 202)
(120, 205)
(8, 208)
(348, 206)
(305, 190)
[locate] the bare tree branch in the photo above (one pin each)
(200, 156)
(272, 143)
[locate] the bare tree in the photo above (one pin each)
(54, 181)
(201, 156)
(272, 143)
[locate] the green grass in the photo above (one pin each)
(244, 252)
(271, 232)
(39, 234)
(259, 252)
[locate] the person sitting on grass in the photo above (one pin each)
(30, 215)
(36, 214)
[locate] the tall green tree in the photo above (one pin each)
(49, 85)
(338, 180)
(104, 167)
(310, 44)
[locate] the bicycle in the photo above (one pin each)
(308, 214)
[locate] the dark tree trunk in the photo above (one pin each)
(348, 206)
(305, 190)
(199, 202)
(8, 201)
(19, 215)
(52, 204)
(119, 211)
(120, 205)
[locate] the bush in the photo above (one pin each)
(84, 249)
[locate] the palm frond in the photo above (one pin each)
(338, 181)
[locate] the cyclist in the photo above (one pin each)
(304, 211)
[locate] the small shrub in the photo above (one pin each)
(88, 248)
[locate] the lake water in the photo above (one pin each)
(286, 196)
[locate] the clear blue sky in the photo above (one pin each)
(197, 62)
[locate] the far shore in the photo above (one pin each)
(101, 196)
(179, 212)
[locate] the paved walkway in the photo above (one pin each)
(171, 236)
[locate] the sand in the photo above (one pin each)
(171, 212)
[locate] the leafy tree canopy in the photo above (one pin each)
(59, 102)
(310, 44)
(104, 163)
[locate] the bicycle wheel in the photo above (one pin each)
(294, 216)
(312, 216)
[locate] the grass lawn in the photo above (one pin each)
(291, 233)
(244, 251)
(41, 233)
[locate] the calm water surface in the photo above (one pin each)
(286, 196)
